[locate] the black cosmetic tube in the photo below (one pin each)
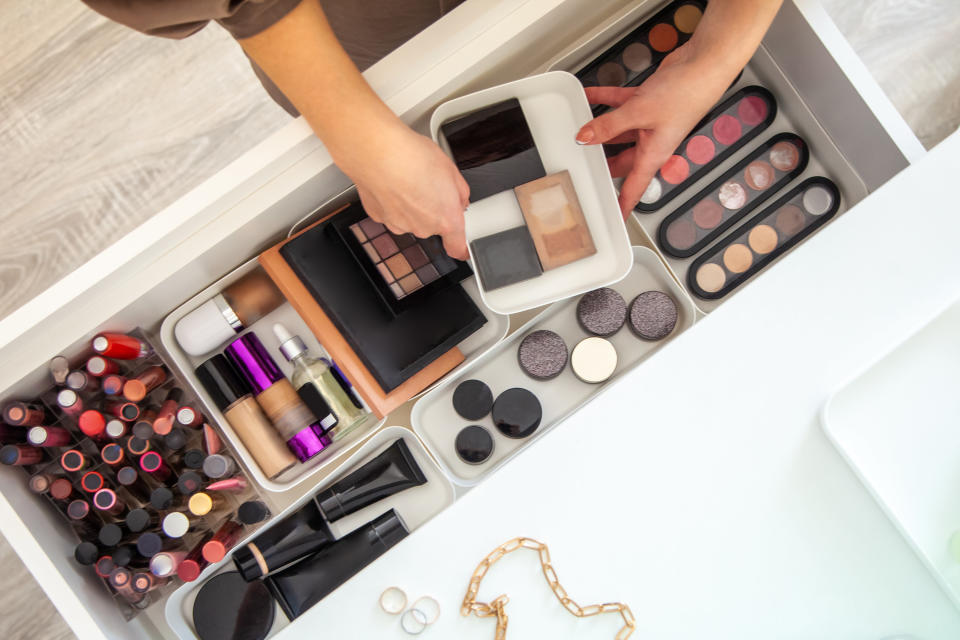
(306, 583)
(390, 472)
(297, 536)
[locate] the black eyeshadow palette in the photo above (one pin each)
(402, 268)
(494, 149)
(764, 238)
(722, 132)
(729, 198)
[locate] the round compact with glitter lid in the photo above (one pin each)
(601, 312)
(542, 355)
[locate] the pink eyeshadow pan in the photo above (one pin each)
(371, 228)
(752, 110)
(358, 232)
(385, 245)
(727, 129)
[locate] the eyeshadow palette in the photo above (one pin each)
(493, 148)
(633, 58)
(726, 129)
(732, 196)
(403, 268)
(553, 215)
(764, 238)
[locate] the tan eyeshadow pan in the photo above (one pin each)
(555, 220)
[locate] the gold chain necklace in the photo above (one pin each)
(497, 606)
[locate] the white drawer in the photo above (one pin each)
(254, 201)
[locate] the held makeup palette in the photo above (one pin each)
(726, 129)
(763, 238)
(537, 358)
(576, 234)
(415, 506)
(732, 196)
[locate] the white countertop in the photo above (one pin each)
(700, 489)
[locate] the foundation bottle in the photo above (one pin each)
(232, 396)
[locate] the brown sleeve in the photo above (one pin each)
(181, 18)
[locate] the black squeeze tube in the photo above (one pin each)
(390, 472)
(308, 582)
(295, 537)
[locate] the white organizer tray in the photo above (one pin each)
(415, 506)
(555, 107)
(435, 420)
(473, 347)
(898, 426)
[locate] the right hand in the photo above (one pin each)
(411, 186)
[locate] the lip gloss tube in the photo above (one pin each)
(19, 455)
(59, 370)
(81, 381)
(136, 389)
(236, 484)
(293, 420)
(167, 414)
(121, 408)
(165, 563)
(219, 466)
(144, 582)
(189, 417)
(40, 482)
(113, 384)
(92, 481)
(49, 436)
(74, 461)
(120, 346)
(21, 414)
(93, 424)
(128, 478)
(107, 501)
(215, 549)
(116, 428)
(121, 579)
(69, 402)
(61, 489)
(99, 366)
(154, 464)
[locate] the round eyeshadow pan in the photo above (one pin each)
(701, 150)
(737, 258)
(707, 214)
(752, 110)
(732, 195)
(762, 239)
(517, 412)
(594, 360)
(611, 74)
(727, 130)
(474, 444)
(653, 192)
(675, 170)
(790, 220)
(637, 57)
(784, 156)
(817, 200)
(663, 37)
(759, 175)
(653, 315)
(687, 17)
(472, 399)
(711, 278)
(601, 312)
(542, 355)
(681, 234)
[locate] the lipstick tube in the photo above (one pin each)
(21, 414)
(211, 440)
(293, 420)
(129, 479)
(116, 428)
(189, 483)
(19, 455)
(107, 501)
(136, 389)
(177, 524)
(167, 414)
(150, 544)
(218, 466)
(190, 568)
(112, 454)
(154, 464)
(74, 461)
(121, 408)
(121, 579)
(215, 549)
(162, 499)
(187, 416)
(113, 384)
(202, 503)
(86, 554)
(93, 424)
(40, 482)
(82, 518)
(69, 402)
(120, 346)
(138, 446)
(104, 566)
(146, 582)
(143, 427)
(99, 366)
(49, 437)
(139, 520)
(165, 563)
(236, 484)
(81, 381)
(61, 489)
(176, 440)
(92, 481)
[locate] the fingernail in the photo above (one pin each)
(585, 136)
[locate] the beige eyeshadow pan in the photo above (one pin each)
(555, 220)
(398, 265)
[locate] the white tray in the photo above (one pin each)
(415, 506)
(898, 426)
(555, 107)
(435, 420)
(485, 338)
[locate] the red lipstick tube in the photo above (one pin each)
(120, 346)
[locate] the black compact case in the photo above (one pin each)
(393, 347)
(494, 149)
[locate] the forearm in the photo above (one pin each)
(729, 34)
(303, 57)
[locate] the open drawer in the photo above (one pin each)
(256, 200)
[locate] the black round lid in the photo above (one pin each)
(9, 454)
(129, 411)
(228, 607)
(78, 509)
(86, 553)
(138, 520)
(517, 413)
(472, 399)
(149, 545)
(127, 476)
(194, 458)
(92, 482)
(110, 535)
(105, 565)
(161, 498)
(138, 446)
(176, 439)
(252, 512)
(112, 452)
(189, 483)
(143, 429)
(122, 556)
(221, 381)
(474, 444)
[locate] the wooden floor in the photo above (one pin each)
(101, 127)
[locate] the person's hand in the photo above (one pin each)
(657, 116)
(411, 186)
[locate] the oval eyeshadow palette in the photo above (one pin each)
(733, 195)
(764, 238)
(633, 58)
(726, 129)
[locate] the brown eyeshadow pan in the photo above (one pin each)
(416, 256)
(385, 245)
(789, 220)
(398, 266)
(410, 283)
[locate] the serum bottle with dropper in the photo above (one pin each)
(316, 385)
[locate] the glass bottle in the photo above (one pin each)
(317, 387)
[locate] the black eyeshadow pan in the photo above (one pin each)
(505, 258)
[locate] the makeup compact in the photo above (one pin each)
(472, 400)
(764, 238)
(542, 355)
(474, 444)
(552, 229)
